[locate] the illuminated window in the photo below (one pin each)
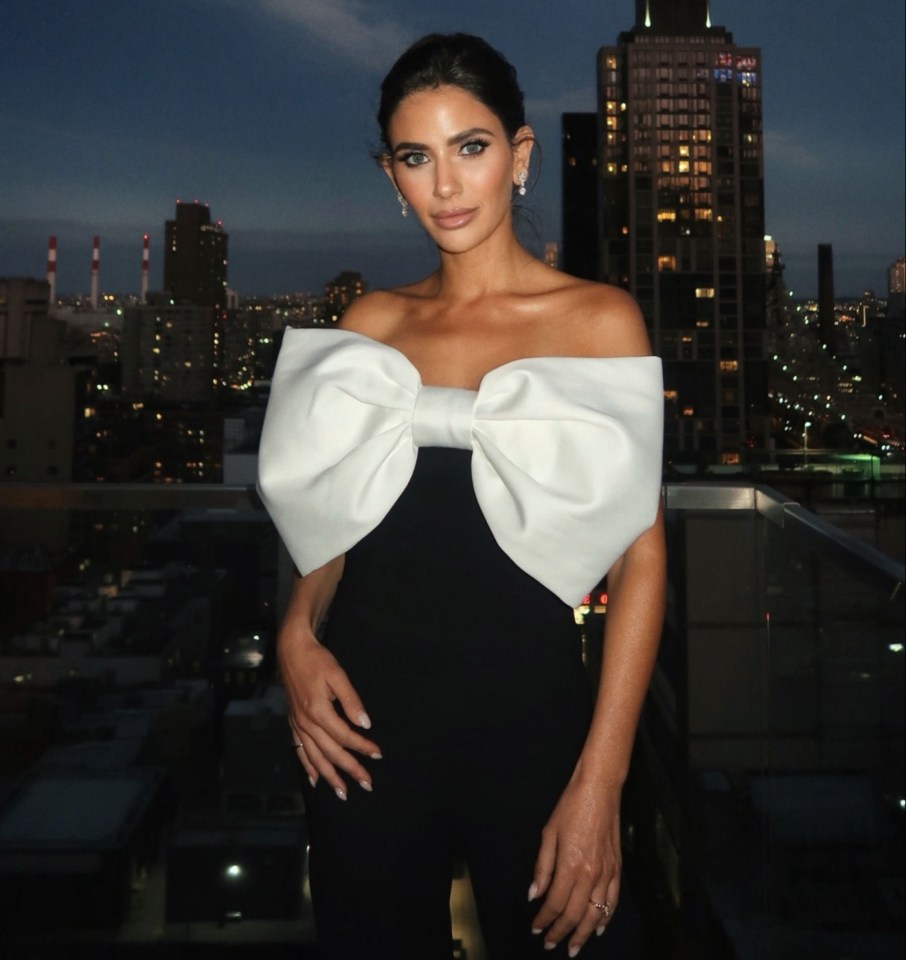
(729, 458)
(663, 215)
(611, 168)
(666, 263)
(682, 166)
(688, 411)
(611, 106)
(729, 366)
(704, 293)
(670, 395)
(703, 324)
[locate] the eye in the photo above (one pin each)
(474, 147)
(413, 158)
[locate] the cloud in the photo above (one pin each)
(786, 149)
(342, 26)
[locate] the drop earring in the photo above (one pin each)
(404, 206)
(521, 177)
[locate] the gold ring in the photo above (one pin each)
(605, 908)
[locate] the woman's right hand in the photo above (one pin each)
(326, 740)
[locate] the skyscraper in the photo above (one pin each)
(195, 257)
(682, 217)
(579, 173)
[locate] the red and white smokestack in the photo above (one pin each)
(146, 263)
(52, 268)
(95, 270)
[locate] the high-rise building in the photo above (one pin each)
(896, 276)
(826, 295)
(682, 218)
(340, 292)
(195, 257)
(579, 161)
(168, 350)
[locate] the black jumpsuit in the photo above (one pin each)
(471, 673)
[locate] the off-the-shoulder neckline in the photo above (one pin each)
(488, 373)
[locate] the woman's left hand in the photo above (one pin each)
(578, 865)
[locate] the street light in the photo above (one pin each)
(808, 423)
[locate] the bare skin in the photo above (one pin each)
(488, 303)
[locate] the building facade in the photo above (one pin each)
(682, 218)
(195, 257)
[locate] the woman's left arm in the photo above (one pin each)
(579, 860)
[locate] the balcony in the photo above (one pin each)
(764, 813)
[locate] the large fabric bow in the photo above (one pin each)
(566, 451)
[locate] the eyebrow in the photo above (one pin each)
(452, 142)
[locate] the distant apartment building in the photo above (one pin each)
(340, 292)
(682, 218)
(195, 257)
(37, 387)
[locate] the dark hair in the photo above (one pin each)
(456, 60)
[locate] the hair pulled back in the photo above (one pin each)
(456, 60)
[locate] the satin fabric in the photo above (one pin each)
(566, 451)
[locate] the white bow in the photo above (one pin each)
(566, 451)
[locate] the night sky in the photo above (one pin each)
(110, 110)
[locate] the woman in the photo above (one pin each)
(453, 471)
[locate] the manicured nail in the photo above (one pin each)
(550, 946)
(312, 781)
(340, 792)
(601, 929)
(363, 721)
(532, 892)
(574, 951)
(365, 785)
(376, 756)
(537, 930)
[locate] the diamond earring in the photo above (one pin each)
(521, 177)
(404, 206)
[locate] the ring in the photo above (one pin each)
(605, 908)
(297, 745)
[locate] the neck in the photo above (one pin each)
(497, 266)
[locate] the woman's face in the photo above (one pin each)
(455, 166)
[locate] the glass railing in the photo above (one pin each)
(148, 787)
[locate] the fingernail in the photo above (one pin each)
(550, 946)
(365, 785)
(312, 781)
(601, 929)
(537, 930)
(532, 892)
(375, 756)
(574, 951)
(340, 792)
(363, 720)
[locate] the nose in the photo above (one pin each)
(446, 183)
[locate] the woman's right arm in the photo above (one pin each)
(326, 741)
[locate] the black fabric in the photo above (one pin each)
(471, 673)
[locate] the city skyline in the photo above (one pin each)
(119, 110)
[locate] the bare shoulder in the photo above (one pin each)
(606, 321)
(379, 313)
(370, 314)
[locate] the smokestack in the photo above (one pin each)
(95, 271)
(146, 260)
(52, 269)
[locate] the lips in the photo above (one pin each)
(454, 219)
